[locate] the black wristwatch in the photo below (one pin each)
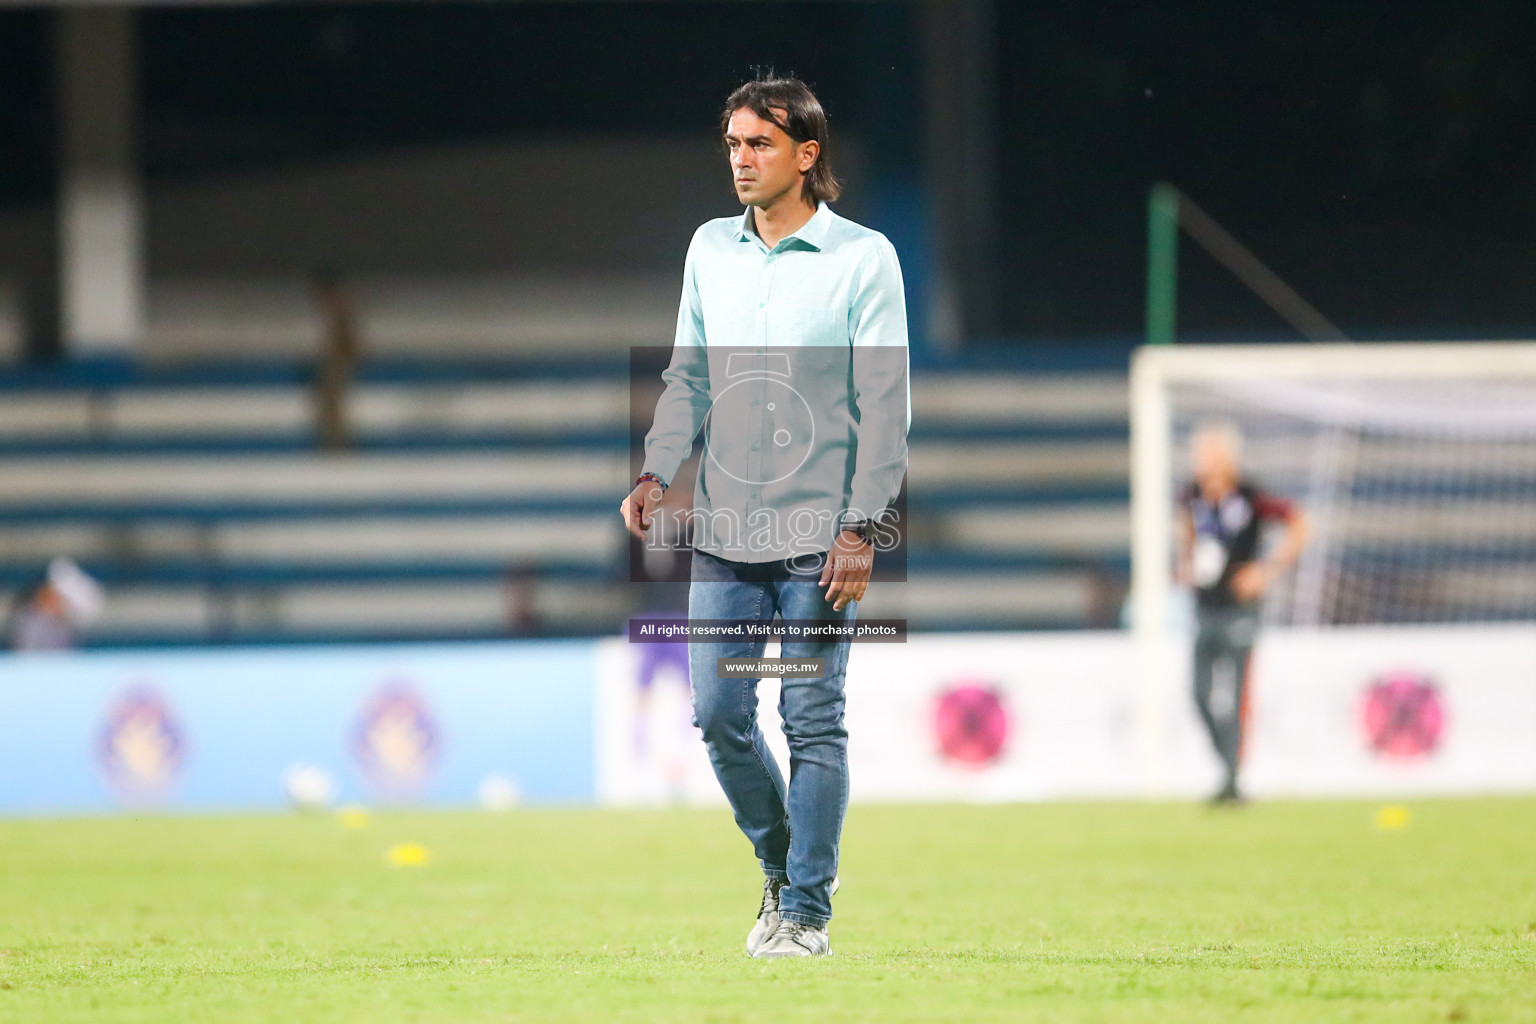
(865, 528)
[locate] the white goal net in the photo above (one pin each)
(1416, 464)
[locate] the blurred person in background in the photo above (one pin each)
(1222, 515)
(789, 274)
(521, 587)
(338, 324)
(48, 614)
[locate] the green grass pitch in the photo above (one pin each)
(1285, 911)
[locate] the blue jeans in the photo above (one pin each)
(794, 830)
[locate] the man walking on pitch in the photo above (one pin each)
(791, 345)
(1221, 517)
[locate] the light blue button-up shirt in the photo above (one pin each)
(796, 359)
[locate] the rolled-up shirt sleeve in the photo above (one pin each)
(881, 383)
(685, 401)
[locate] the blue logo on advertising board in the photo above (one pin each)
(141, 747)
(397, 741)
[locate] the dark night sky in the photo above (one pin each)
(1381, 157)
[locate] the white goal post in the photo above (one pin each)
(1416, 462)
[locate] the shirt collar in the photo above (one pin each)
(812, 234)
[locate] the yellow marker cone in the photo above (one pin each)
(409, 855)
(1392, 817)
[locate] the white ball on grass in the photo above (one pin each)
(499, 793)
(309, 787)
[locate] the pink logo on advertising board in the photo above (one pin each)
(971, 724)
(141, 746)
(396, 740)
(1403, 716)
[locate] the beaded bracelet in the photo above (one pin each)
(650, 476)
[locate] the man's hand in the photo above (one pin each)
(849, 564)
(640, 507)
(1250, 582)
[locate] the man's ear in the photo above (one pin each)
(809, 151)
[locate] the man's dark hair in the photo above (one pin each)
(790, 104)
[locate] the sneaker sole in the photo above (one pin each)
(789, 956)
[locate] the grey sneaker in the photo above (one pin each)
(792, 938)
(767, 915)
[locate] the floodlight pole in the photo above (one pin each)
(1162, 263)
